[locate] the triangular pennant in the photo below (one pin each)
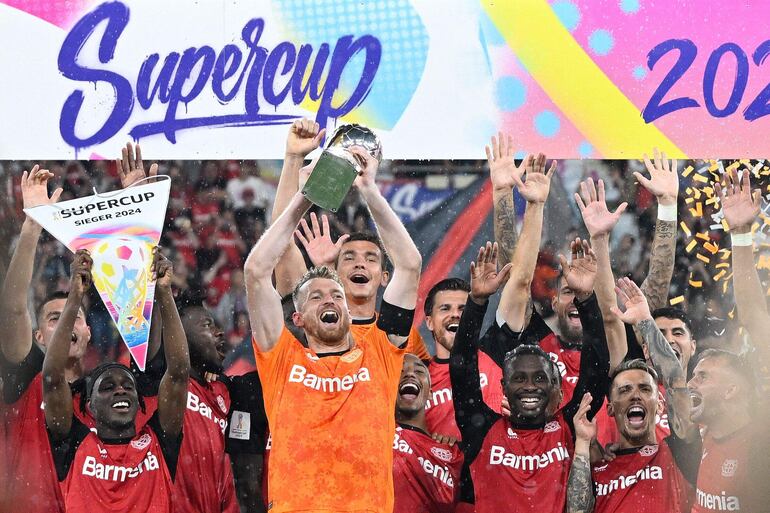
(119, 229)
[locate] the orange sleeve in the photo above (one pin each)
(416, 345)
(273, 366)
(391, 356)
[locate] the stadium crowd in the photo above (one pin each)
(591, 390)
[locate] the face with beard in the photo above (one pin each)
(531, 385)
(713, 386)
(359, 266)
(323, 312)
(569, 323)
(413, 388)
(634, 402)
(114, 401)
(205, 340)
(444, 319)
(48, 319)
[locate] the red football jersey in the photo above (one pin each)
(724, 479)
(607, 430)
(118, 477)
(440, 409)
(642, 480)
(426, 474)
(523, 469)
(568, 362)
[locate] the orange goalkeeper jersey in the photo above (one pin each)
(414, 343)
(332, 425)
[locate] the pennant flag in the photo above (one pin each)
(119, 229)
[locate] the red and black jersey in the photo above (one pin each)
(725, 480)
(440, 410)
(426, 474)
(607, 430)
(647, 479)
(517, 468)
(32, 485)
(134, 474)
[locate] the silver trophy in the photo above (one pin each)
(337, 167)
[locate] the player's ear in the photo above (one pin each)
(88, 407)
(731, 391)
(429, 322)
(385, 278)
(39, 338)
(610, 408)
(296, 318)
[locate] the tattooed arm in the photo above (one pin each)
(664, 184)
(670, 371)
(504, 175)
(505, 224)
(580, 487)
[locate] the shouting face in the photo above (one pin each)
(530, 384)
(114, 400)
(444, 319)
(570, 327)
(323, 311)
(359, 266)
(413, 388)
(634, 403)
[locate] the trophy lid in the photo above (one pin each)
(354, 134)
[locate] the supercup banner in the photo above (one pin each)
(119, 229)
(223, 78)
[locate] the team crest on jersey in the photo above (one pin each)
(221, 403)
(729, 467)
(442, 454)
(648, 450)
(141, 442)
(551, 427)
(512, 433)
(102, 451)
(352, 356)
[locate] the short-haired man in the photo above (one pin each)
(444, 305)
(118, 465)
(521, 462)
(33, 482)
(360, 259)
(334, 399)
(426, 472)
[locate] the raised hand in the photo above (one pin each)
(366, 178)
(502, 169)
(663, 181)
(633, 301)
(537, 184)
(318, 241)
(580, 272)
(80, 272)
(34, 188)
(584, 429)
(162, 270)
(739, 205)
(485, 278)
(593, 207)
(304, 137)
(130, 169)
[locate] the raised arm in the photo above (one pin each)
(667, 365)
(580, 486)
(172, 391)
(664, 184)
(16, 341)
(304, 137)
(318, 242)
(473, 416)
(131, 167)
(599, 222)
(401, 291)
(516, 293)
(57, 396)
(504, 175)
(265, 312)
(740, 207)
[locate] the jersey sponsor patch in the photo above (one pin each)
(141, 442)
(240, 428)
(729, 467)
(441, 453)
(221, 404)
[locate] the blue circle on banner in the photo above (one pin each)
(639, 72)
(547, 123)
(511, 93)
(568, 13)
(629, 6)
(585, 149)
(601, 41)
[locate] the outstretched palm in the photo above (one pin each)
(485, 278)
(663, 181)
(34, 188)
(503, 171)
(739, 206)
(130, 168)
(593, 207)
(633, 300)
(538, 183)
(580, 273)
(318, 241)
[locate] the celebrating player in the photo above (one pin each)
(117, 467)
(359, 258)
(426, 473)
(338, 391)
(521, 462)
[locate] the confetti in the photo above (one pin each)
(718, 276)
(676, 300)
(711, 248)
(703, 258)
(685, 228)
(703, 235)
(697, 284)
(700, 178)
(698, 210)
(691, 245)
(687, 171)
(722, 265)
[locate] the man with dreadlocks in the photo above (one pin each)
(118, 467)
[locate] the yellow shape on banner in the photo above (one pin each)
(573, 81)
